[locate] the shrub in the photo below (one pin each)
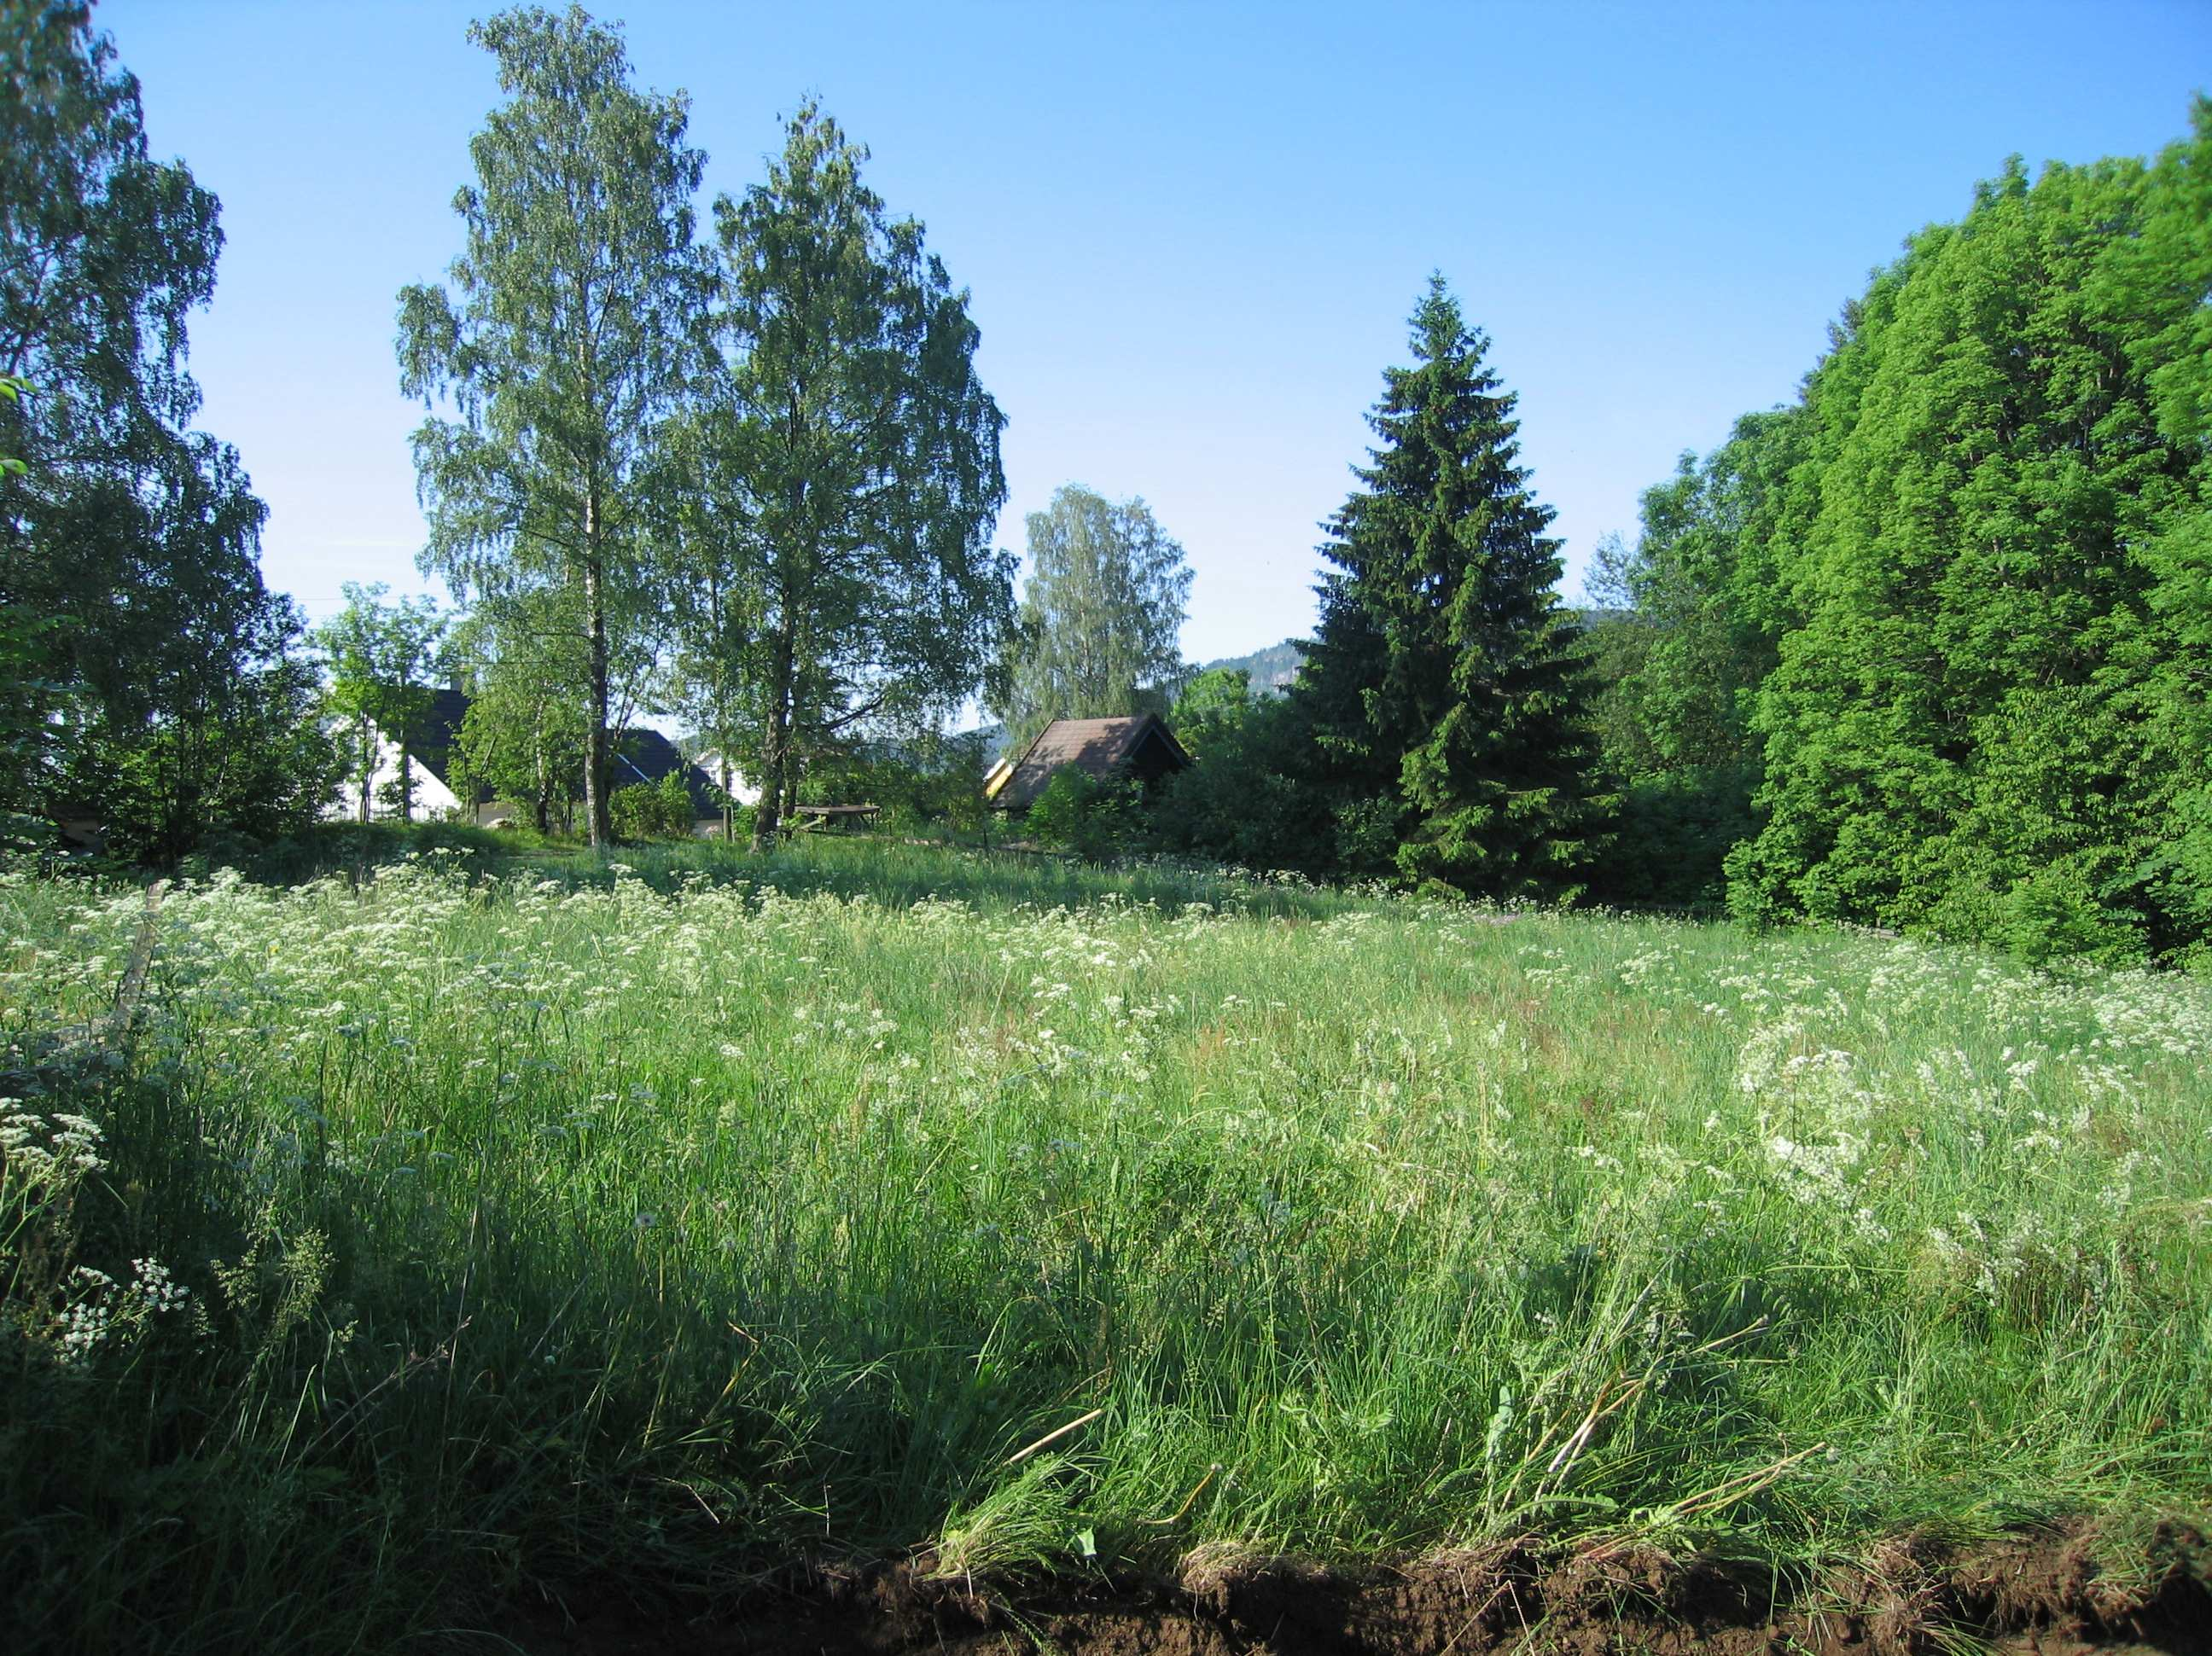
(1078, 812)
(661, 810)
(918, 782)
(1247, 799)
(1676, 828)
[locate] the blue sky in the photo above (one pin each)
(1193, 233)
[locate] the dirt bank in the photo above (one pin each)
(2050, 1595)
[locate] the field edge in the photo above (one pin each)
(2068, 1591)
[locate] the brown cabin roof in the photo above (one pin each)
(1142, 744)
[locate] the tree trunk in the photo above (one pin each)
(366, 742)
(599, 824)
(542, 771)
(406, 787)
(776, 745)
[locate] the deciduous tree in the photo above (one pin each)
(1689, 636)
(563, 342)
(860, 460)
(1102, 614)
(524, 660)
(1980, 720)
(149, 667)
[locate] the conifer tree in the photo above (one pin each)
(1447, 683)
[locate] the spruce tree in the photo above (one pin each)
(1448, 683)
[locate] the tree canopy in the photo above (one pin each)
(1983, 716)
(854, 455)
(1101, 625)
(1940, 626)
(147, 665)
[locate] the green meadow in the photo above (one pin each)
(492, 1223)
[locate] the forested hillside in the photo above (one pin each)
(1271, 671)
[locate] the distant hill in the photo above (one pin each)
(1271, 670)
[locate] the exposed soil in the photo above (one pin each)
(2047, 1595)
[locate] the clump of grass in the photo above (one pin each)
(555, 1221)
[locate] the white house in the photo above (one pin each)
(638, 758)
(434, 800)
(732, 782)
(434, 740)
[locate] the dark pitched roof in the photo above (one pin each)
(645, 756)
(434, 739)
(1142, 744)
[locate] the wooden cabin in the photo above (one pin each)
(1140, 746)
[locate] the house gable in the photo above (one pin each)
(639, 757)
(1140, 746)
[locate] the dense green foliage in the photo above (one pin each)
(1943, 623)
(424, 1245)
(1096, 818)
(1101, 623)
(149, 678)
(13, 389)
(1251, 798)
(1445, 684)
(654, 811)
(1974, 722)
(524, 738)
(1682, 652)
(925, 781)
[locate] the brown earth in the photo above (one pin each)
(2048, 1595)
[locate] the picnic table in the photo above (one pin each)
(818, 816)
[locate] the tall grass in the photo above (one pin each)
(550, 1223)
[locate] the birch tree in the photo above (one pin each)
(860, 476)
(561, 342)
(1102, 616)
